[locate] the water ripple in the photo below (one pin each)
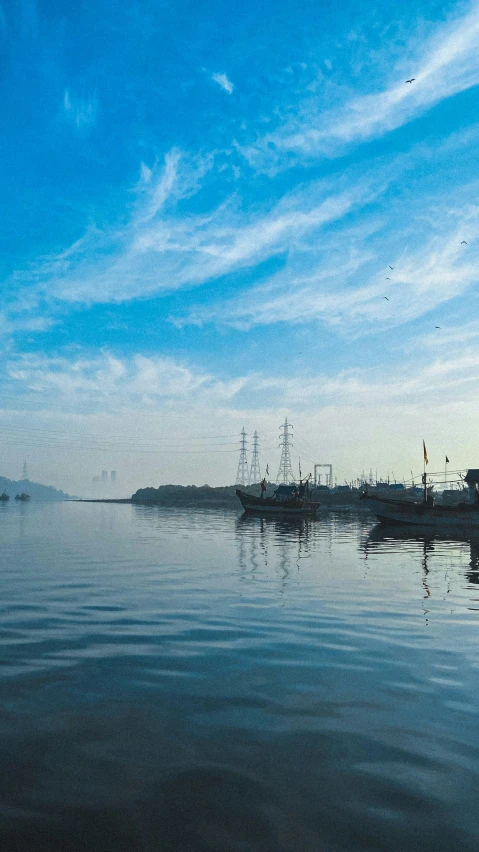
(188, 680)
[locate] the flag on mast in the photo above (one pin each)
(426, 460)
(267, 470)
(447, 460)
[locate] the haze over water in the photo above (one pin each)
(189, 680)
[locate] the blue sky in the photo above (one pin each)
(201, 205)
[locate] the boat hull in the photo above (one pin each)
(270, 506)
(462, 517)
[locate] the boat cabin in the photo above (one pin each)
(285, 492)
(472, 480)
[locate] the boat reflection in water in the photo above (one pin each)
(428, 543)
(256, 534)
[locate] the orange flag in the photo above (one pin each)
(426, 460)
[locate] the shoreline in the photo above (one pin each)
(206, 504)
(99, 500)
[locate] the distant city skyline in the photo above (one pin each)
(219, 216)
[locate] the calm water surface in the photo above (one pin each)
(199, 681)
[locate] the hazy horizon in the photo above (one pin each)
(217, 217)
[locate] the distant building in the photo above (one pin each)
(104, 476)
(113, 476)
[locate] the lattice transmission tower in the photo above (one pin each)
(255, 472)
(285, 472)
(242, 477)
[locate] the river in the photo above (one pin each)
(199, 681)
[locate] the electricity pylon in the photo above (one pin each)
(255, 472)
(242, 477)
(285, 472)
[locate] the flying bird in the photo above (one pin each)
(388, 279)
(437, 326)
(391, 267)
(463, 243)
(411, 80)
(385, 297)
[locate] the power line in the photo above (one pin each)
(42, 435)
(27, 429)
(108, 449)
(304, 454)
(306, 443)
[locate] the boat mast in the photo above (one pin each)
(424, 479)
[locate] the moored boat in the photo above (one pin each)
(286, 500)
(23, 497)
(427, 513)
(4, 497)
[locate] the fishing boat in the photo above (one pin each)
(23, 497)
(286, 500)
(427, 513)
(4, 497)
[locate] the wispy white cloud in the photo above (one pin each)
(340, 287)
(223, 81)
(149, 382)
(445, 65)
(354, 415)
(448, 339)
(12, 324)
(109, 381)
(80, 111)
(158, 251)
(163, 243)
(448, 378)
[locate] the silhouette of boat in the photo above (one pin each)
(24, 498)
(4, 497)
(427, 513)
(286, 500)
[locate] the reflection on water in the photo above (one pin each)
(397, 538)
(189, 680)
(291, 537)
(432, 547)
